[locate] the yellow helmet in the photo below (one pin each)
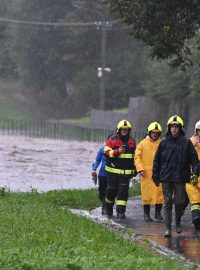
(154, 126)
(123, 124)
(175, 119)
(197, 126)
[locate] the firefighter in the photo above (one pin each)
(193, 188)
(172, 167)
(144, 156)
(119, 149)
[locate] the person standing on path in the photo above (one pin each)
(102, 176)
(120, 150)
(172, 167)
(144, 156)
(193, 188)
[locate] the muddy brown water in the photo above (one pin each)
(44, 164)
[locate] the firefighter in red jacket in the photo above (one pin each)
(119, 149)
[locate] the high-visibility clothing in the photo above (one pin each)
(144, 156)
(117, 188)
(194, 191)
(123, 124)
(119, 167)
(120, 163)
(154, 126)
(195, 140)
(175, 119)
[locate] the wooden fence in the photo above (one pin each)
(57, 130)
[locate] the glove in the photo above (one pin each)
(194, 179)
(142, 173)
(156, 182)
(94, 178)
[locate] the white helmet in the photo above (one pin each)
(197, 126)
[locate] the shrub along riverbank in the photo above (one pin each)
(37, 232)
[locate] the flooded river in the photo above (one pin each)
(44, 164)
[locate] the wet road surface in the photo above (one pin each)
(186, 244)
(44, 164)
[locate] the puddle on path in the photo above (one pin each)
(186, 244)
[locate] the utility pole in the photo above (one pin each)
(103, 66)
(103, 69)
(102, 25)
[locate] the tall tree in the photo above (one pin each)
(7, 66)
(164, 25)
(39, 49)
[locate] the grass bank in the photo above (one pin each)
(37, 232)
(9, 105)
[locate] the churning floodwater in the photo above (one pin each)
(45, 164)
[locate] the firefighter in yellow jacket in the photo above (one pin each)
(144, 156)
(193, 188)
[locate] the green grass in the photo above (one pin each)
(37, 233)
(8, 112)
(9, 85)
(122, 110)
(80, 199)
(86, 119)
(81, 120)
(7, 91)
(135, 190)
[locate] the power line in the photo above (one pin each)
(97, 23)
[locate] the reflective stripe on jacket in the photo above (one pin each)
(120, 163)
(193, 192)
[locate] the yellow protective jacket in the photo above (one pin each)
(144, 156)
(194, 191)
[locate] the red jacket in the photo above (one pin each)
(120, 163)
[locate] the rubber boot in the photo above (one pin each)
(121, 215)
(168, 223)
(196, 217)
(178, 215)
(185, 204)
(147, 217)
(103, 208)
(121, 209)
(109, 209)
(158, 208)
(196, 223)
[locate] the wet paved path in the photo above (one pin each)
(186, 244)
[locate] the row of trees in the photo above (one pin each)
(57, 63)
